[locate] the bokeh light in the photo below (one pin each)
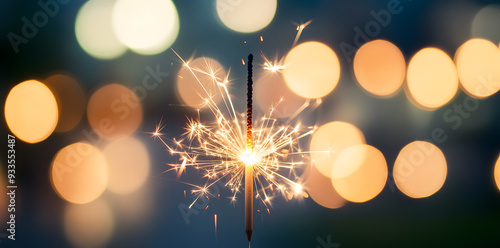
(270, 91)
(369, 177)
(128, 165)
(146, 26)
(420, 169)
(312, 70)
(89, 225)
(31, 111)
(497, 173)
(189, 89)
(246, 16)
(79, 173)
(432, 79)
(329, 141)
(70, 99)
(485, 24)
(321, 190)
(114, 111)
(478, 65)
(94, 30)
(380, 68)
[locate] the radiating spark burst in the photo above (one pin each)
(274, 66)
(157, 132)
(300, 28)
(215, 223)
(277, 65)
(218, 150)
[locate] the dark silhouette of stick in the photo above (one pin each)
(249, 167)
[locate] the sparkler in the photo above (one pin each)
(249, 152)
(267, 156)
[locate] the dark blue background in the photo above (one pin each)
(464, 213)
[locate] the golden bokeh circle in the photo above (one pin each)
(246, 16)
(496, 173)
(146, 26)
(31, 111)
(128, 165)
(485, 23)
(312, 70)
(199, 82)
(114, 111)
(89, 225)
(271, 93)
(321, 190)
(70, 99)
(329, 141)
(420, 169)
(368, 178)
(94, 30)
(478, 65)
(380, 68)
(79, 173)
(432, 79)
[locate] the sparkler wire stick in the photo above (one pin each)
(249, 150)
(219, 149)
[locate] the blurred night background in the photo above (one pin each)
(77, 48)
